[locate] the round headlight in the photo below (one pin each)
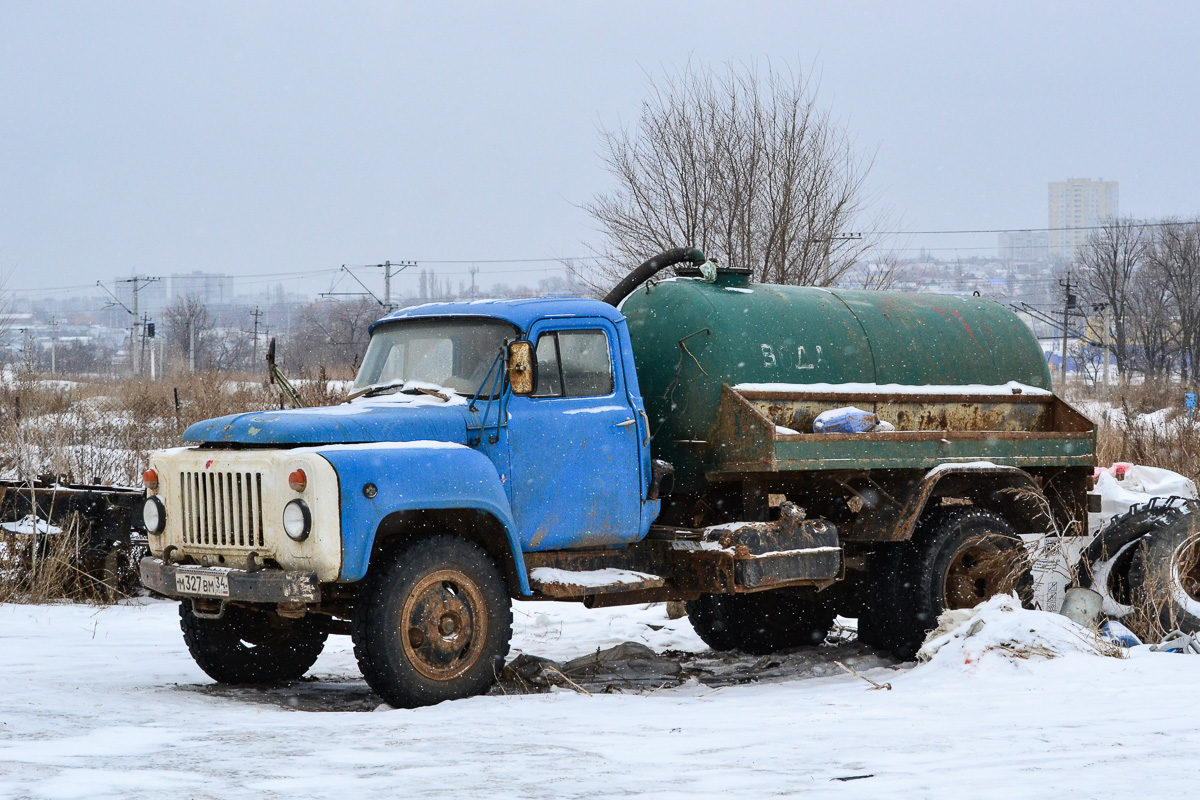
(297, 520)
(154, 515)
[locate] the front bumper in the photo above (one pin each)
(261, 586)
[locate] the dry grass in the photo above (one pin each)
(101, 431)
(1121, 436)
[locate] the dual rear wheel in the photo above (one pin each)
(958, 558)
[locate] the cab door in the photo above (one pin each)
(575, 443)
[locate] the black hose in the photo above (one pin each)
(654, 265)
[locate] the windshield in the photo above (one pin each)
(449, 353)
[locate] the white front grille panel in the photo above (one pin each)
(222, 509)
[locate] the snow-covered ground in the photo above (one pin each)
(107, 703)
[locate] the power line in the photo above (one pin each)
(1026, 230)
(269, 277)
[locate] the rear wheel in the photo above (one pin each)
(433, 623)
(762, 622)
(246, 646)
(958, 558)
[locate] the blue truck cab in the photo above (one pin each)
(311, 512)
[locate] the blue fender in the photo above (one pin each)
(413, 476)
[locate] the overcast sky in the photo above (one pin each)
(254, 138)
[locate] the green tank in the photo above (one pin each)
(691, 337)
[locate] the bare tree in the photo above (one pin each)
(746, 166)
(1107, 263)
(188, 325)
(1149, 319)
(1175, 257)
(331, 335)
(883, 271)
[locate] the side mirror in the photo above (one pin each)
(522, 368)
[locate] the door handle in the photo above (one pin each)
(646, 419)
(625, 424)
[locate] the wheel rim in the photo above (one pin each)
(980, 568)
(443, 625)
(1186, 567)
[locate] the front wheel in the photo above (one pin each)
(433, 623)
(246, 646)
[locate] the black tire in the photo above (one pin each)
(1164, 573)
(958, 558)
(1105, 566)
(245, 647)
(713, 620)
(878, 622)
(762, 622)
(432, 623)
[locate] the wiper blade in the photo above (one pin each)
(374, 389)
(406, 387)
(434, 393)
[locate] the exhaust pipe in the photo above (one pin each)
(650, 268)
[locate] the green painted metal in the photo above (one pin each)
(690, 337)
(899, 453)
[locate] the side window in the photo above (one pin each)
(549, 379)
(573, 364)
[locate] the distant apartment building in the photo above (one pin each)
(207, 287)
(1077, 204)
(1024, 245)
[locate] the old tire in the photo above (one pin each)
(878, 620)
(433, 622)
(245, 647)
(1164, 573)
(1105, 566)
(958, 558)
(762, 622)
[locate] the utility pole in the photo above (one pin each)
(388, 306)
(134, 367)
(138, 284)
(142, 347)
(474, 270)
(1104, 336)
(1068, 304)
(386, 302)
(254, 338)
(53, 342)
(149, 336)
(191, 345)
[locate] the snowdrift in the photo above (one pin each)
(1000, 634)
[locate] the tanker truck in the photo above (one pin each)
(658, 445)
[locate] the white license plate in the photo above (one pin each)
(208, 584)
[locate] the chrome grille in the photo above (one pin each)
(221, 509)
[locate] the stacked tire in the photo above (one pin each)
(1145, 564)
